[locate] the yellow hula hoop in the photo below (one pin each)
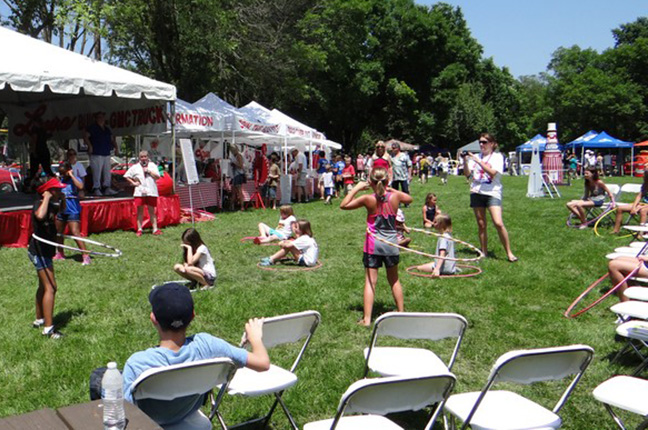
(432, 256)
(606, 215)
(599, 220)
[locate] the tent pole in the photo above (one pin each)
(173, 144)
(632, 162)
(582, 160)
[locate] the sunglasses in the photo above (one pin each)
(483, 142)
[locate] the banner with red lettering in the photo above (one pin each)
(69, 118)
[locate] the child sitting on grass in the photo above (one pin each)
(198, 266)
(304, 249)
(283, 230)
(429, 210)
(444, 249)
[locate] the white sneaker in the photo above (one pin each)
(110, 192)
(97, 192)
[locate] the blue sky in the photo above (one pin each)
(522, 34)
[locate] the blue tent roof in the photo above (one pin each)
(528, 145)
(576, 143)
(598, 141)
(604, 140)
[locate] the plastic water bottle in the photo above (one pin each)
(112, 396)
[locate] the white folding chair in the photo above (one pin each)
(392, 361)
(636, 333)
(167, 393)
(623, 392)
(280, 330)
(380, 396)
(632, 189)
(508, 410)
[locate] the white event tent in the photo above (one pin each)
(38, 79)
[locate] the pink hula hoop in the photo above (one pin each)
(251, 238)
(568, 313)
(476, 271)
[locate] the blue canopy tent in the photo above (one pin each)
(591, 140)
(528, 145)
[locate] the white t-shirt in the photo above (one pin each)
(482, 183)
(79, 171)
(286, 225)
(327, 179)
(308, 248)
(206, 262)
(147, 187)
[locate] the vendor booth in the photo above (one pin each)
(64, 89)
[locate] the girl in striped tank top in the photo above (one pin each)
(381, 207)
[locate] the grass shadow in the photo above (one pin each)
(62, 319)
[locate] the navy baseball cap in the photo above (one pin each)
(172, 305)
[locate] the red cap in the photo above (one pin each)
(49, 185)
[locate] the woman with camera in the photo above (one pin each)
(143, 176)
(485, 171)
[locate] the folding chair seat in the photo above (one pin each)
(167, 393)
(623, 392)
(631, 308)
(380, 396)
(279, 330)
(396, 360)
(508, 410)
(637, 293)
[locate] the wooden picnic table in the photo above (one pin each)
(86, 416)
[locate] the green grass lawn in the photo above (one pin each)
(104, 312)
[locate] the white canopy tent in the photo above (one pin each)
(38, 79)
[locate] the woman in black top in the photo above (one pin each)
(40, 253)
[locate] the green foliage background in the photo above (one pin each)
(358, 70)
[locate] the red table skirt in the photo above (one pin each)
(118, 214)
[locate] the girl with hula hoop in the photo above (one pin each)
(444, 248)
(43, 220)
(198, 266)
(381, 208)
(595, 191)
(71, 215)
(639, 205)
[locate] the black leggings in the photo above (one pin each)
(43, 159)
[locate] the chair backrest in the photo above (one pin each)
(630, 189)
(185, 379)
(289, 328)
(420, 325)
(168, 394)
(544, 364)
(614, 189)
(395, 394)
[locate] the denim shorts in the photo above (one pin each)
(40, 262)
(598, 203)
(483, 201)
(65, 217)
(372, 261)
(272, 193)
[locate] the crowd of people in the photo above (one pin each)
(387, 178)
